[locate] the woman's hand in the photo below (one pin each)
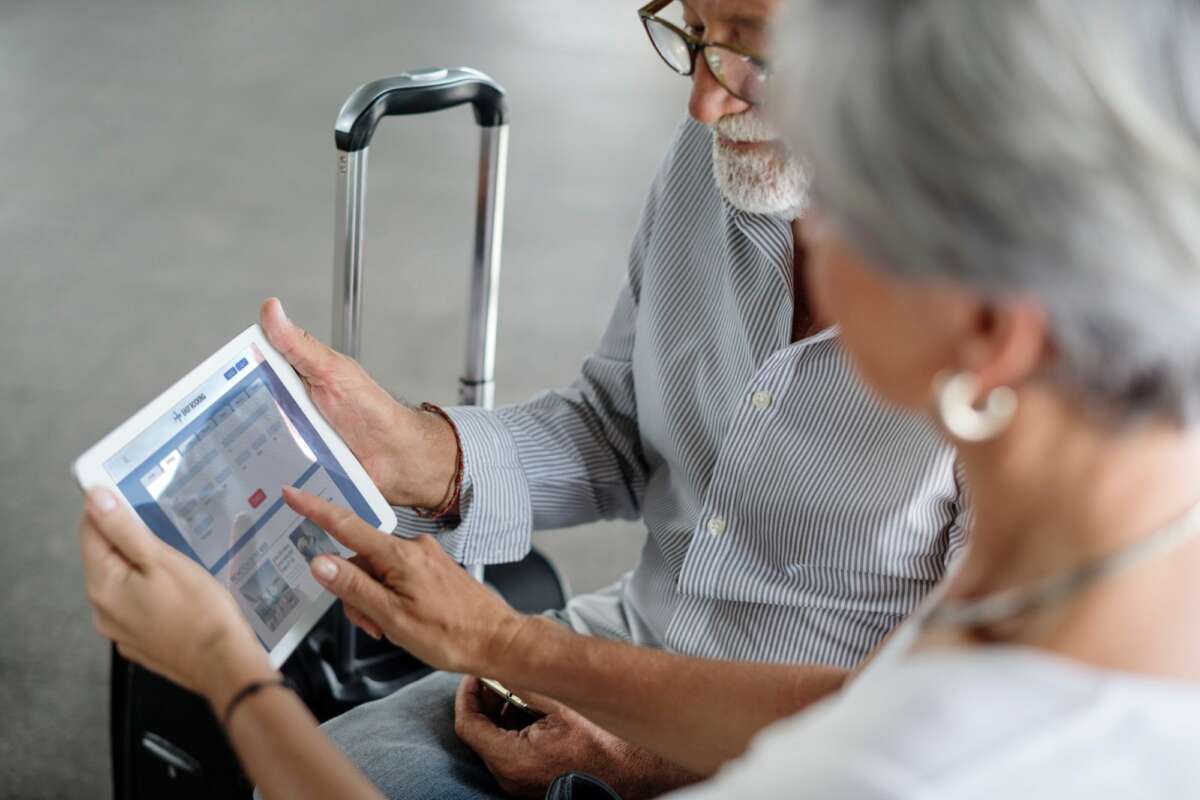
(410, 591)
(162, 609)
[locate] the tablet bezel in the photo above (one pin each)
(88, 469)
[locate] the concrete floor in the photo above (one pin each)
(166, 165)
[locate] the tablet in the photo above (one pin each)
(204, 464)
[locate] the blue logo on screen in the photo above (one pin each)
(190, 407)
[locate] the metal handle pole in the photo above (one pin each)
(478, 383)
(348, 251)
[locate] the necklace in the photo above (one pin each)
(1021, 600)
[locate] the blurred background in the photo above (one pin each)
(167, 165)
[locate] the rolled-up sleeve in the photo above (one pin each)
(564, 458)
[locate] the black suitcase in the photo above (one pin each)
(165, 741)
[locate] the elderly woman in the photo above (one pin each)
(1008, 234)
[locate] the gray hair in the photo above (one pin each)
(1048, 148)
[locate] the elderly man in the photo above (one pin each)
(790, 517)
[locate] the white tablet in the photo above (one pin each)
(204, 465)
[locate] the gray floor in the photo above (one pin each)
(166, 165)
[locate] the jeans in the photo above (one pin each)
(406, 745)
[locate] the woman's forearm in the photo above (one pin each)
(286, 755)
(279, 744)
(695, 712)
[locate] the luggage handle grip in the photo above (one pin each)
(417, 92)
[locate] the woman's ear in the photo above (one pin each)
(1007, 342)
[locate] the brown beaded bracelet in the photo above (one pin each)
(451, 502)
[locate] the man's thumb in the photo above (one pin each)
(308, 356)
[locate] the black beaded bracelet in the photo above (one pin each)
(250, 689)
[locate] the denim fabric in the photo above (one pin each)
(406, 745)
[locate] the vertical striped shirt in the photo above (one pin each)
(790, 516)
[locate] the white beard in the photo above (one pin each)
(764, 180)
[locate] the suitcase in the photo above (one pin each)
(165, 741)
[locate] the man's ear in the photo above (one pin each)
(1007, 343)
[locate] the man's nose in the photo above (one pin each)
(710, 100)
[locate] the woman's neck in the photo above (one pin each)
(1057, 490)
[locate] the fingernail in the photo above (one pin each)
(324, 569)
(292, 493)
(103, 501)
(282, 313)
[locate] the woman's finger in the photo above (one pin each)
(94, 548)
(105, 625)
(340, 523)
(104, 569)
(123, 531)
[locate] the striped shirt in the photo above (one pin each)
(790, 516)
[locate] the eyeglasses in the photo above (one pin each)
(742, 74)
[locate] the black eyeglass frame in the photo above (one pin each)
(696, 46)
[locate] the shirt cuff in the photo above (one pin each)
(495, 516)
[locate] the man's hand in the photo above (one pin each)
(409, 454)
(410, 591)
(525, 761)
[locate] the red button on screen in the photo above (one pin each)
(257, 498)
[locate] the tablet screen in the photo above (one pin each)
(207, 476)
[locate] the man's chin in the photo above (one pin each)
(760, 179)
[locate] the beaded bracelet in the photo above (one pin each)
(451, 502)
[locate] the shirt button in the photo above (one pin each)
(761, 400)
(716, 526)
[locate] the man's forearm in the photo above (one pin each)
(695, 712)
(644, 774)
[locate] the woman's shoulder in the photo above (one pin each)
(994, 722)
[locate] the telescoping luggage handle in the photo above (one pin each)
(419, 92)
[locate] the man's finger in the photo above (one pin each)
(354, 587)
(360, 619)
(542, 703)
(363, 563)
(466, 696)
(124, 532)
(308, 356)
(340, 523)
(473, 726)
